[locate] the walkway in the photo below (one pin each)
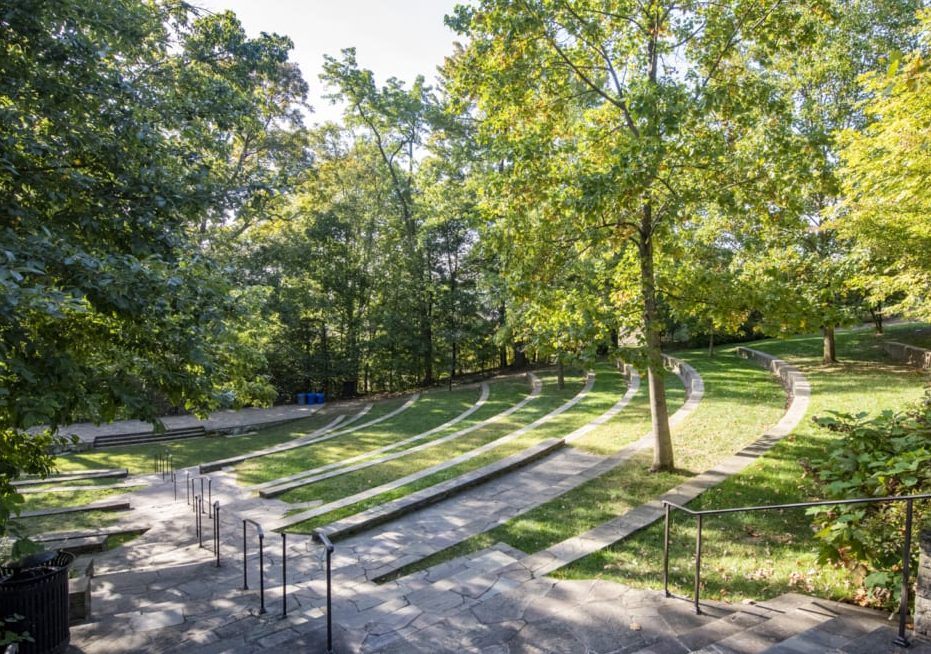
(163, 594)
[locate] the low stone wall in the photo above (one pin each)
(908, 354)
(690, 378)
(793, 381)
(923, 599)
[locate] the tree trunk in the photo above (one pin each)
(876, 312)
(520, 357)
(662, 443)
(830, 346)
(561, 376)
(711, 342)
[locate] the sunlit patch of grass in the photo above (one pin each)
(761, 555)
(431, 410)
(718, 427)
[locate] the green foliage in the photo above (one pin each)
(124, 128)
(886, 167)
(889, 454)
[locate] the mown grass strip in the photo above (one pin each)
(432, 409)
(334, 489)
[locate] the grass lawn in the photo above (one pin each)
(718, 427)
(192, 451)
(917, 334)
(433, 409)
(550, 398)
(761, 555)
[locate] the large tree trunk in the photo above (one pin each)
(662, 440)
(561, 375)
(830, 346)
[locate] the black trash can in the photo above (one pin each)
(37, 589)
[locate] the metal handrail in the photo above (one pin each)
(245, 579)
(901, 640)
(321, 535)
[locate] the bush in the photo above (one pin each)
(889, 454)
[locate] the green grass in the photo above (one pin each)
(551, 397)
(761, 555)
(192, 451)
(36, 501)
(85, 521)
(917, 334)
(717, 428)
(432, 410)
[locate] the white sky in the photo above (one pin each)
(393, 38)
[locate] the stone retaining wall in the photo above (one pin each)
(908, 354)
(923, 599)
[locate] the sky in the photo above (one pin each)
(393, 38)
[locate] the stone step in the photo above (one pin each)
(383, 513)
(788, 624)
(104, 473)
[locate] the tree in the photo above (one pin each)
(886, 167)
(802, 259)
(620, 119)
(108, 303)
(397, 120)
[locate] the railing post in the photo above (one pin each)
(210, 494)
(901, 640)
(200, 521)
(216, 530)
(187, 485)
(284, 575)
(261, 573)
(245, 578)
(329, 603)
(666, 551)
(698, 520)
(174, 480)
(325, 541)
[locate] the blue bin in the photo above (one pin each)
(320, 399)
(301, 398)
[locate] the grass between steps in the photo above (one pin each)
(719, 426)
(762, 555)
(433, 409)
(550, 398)
(192, 451)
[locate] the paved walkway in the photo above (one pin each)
(163, 594)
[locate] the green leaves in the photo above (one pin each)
(889, 454)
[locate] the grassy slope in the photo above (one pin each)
(431, 410)
(549, 399)
(192, 451)
(762, 555)
(714, 430)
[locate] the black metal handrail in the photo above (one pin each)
(245, 578)
(193, 493)
(901, 640)
(328, 545)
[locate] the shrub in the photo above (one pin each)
(889, 454)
